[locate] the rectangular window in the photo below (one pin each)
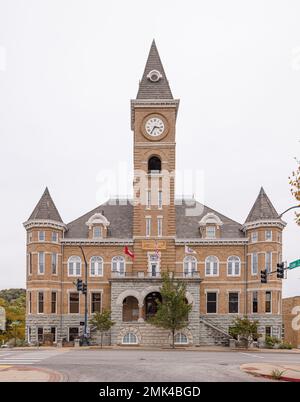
(148, 199)
(29, 237)
(97, 232)
(40, 302)
(211, 302)
(148, 226)
(29, 334)
(41, 257)
(40, 332)
(159, 226)
(268, 331)
(255, 302)
(254, 237)
(269, 261)
(233, 302)
(29, 302)
(54, 258)
(96, 303)
(160, 200)
(41, 235)
(268, 302)
(254, 265)
(53, 332)
(53, 302)
(73, 333)
(268, 234)
(29, 264)
(210, 232)
(74, 303)
(54, 237)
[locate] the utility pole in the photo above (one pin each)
(84, 291)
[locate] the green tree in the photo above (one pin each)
(14, 302)
(102, 323)
(244, 329)
(172, 313)
(294, 181)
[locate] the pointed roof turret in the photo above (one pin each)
(262, 209)
(45, 209)
(154, 83)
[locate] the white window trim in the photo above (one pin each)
(252, 300)
(239, 294)
(190, 258)
(102, 264)
(217, 300)
(181, 343)
(69, 304)
(148, 199)
(149, 254)
(53, 291)
(206, 231)
(160, 199)
(252, 264)
(148, 222)
(233, 268)
(41, 231)
(44, 262)
(101, 232)
(54, 241)
(159, 226)
(101, 299)
(37, 299)
(124, 260)
(73, 326)
(211, 269)
(252, 240)
(55, 338)
(271, 302)
(74, 275)
(130, 343)
(268, 231)
(271, 260)
(29, 264)
(56, 262)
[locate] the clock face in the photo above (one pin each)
(154, 126)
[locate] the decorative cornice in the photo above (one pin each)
(211, 241)
(97, 242)
(44, 223)
(264, 222)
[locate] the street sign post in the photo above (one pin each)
(294, 264)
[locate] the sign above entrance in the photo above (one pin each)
(154, 244)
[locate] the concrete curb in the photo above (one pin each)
(289, 372)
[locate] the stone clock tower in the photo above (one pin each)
(153, 121)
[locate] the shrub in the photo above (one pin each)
(285, 345)
(271, 341)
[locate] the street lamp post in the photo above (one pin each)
(85, 289)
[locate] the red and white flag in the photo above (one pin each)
(128, 252)
(157, 253)
(189, 250)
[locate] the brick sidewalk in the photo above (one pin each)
(29, 374)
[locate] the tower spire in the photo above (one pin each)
(154, 83)
(46, 209)
(262, 208)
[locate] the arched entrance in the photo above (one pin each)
(151, 304)
(130, 309)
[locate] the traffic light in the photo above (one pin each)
(263, 276)
(280, 270)
(84, 289)
(79, 285)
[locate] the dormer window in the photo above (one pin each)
(210, 226)
(97, 232)
(97, 225)
(210, 232)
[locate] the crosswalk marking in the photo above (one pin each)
(27, 357)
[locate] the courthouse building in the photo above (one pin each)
(218, 258)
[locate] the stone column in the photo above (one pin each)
(141, 318)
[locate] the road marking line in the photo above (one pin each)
(252, 355)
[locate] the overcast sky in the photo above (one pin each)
(69, 68)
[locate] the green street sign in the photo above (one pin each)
(294, 264)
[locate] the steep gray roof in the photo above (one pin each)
(262, 208)
(120, 216)
(46, 209)
(154, 90)
(121, 222)
(188, 226)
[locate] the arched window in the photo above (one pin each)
(130, 309)
(233, 266)
(130, 339)
(74, 266)
(118, 265)
(211, 266)
(154, 164)
(96, 266)
(181, 339)
(189, 265)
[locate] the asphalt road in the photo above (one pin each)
(144, 365)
